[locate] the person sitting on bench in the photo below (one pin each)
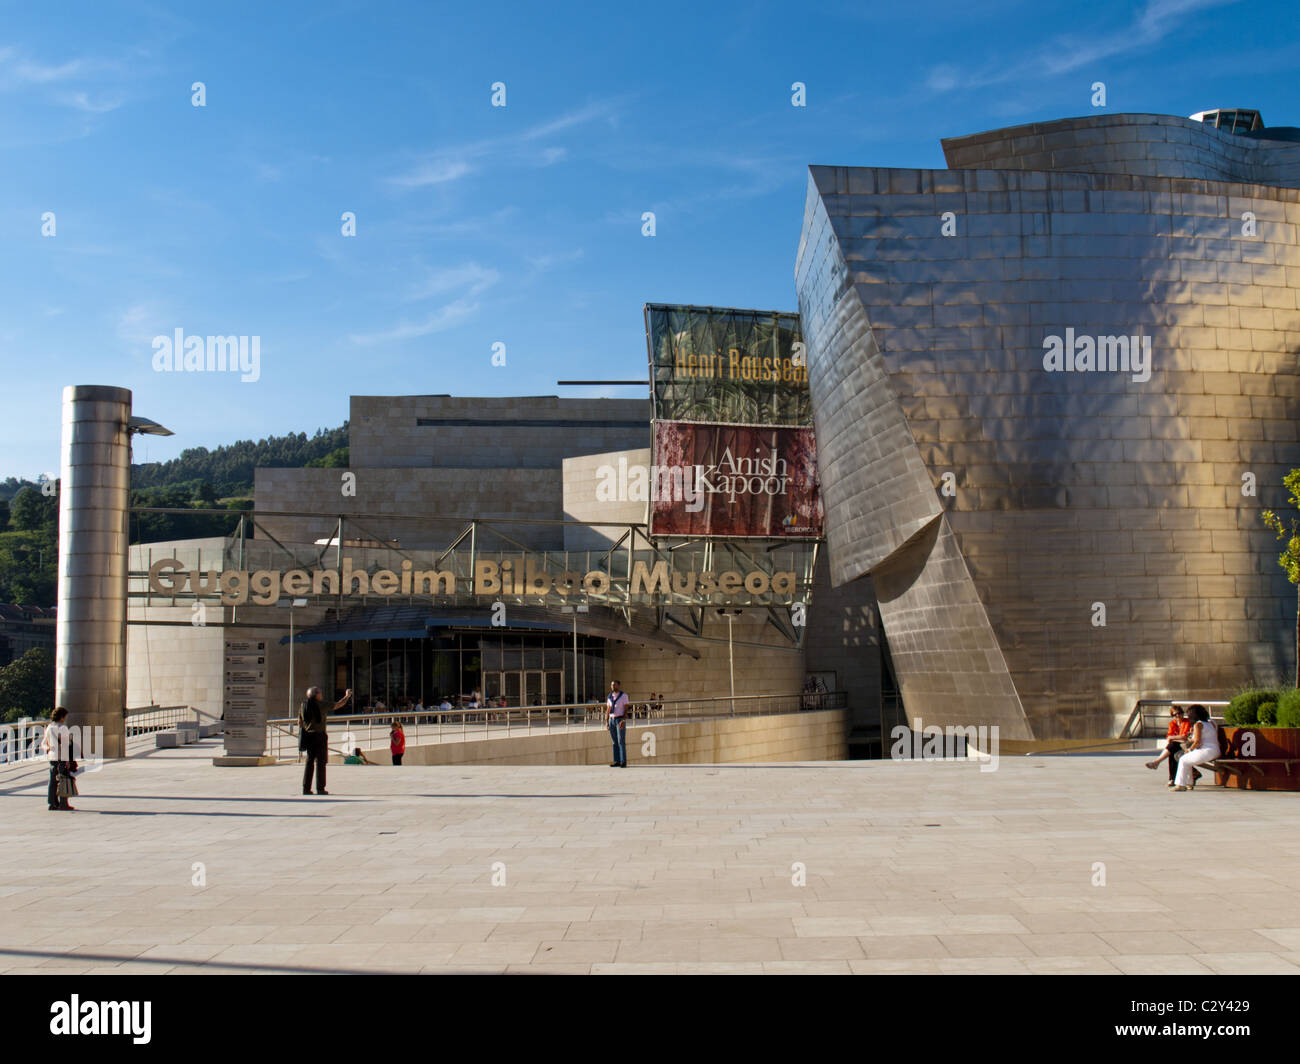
(1203, 746)
(1179, 726)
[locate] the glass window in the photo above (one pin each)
(490, 652)
(512, 657)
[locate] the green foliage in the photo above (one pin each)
(1268, 714)
(1289, 533)
(196, 480)
(229, 470)
(31, 511)
(1243, 710)
(337, 459)
(152, 528)
(27, 686)
(29, 567)
(1288, 710)
(11, 486)
(1289, 559)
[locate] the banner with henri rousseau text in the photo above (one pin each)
(714, 364)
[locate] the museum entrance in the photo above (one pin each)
(525, 668)
(532, 687)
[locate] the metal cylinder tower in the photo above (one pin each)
(94, 496)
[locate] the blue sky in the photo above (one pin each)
(479, 224)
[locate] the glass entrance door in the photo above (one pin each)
(526, 687)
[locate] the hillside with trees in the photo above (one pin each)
(199, 479)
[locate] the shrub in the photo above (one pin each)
(1288, 710)
(1243, 710)
(1268, 714)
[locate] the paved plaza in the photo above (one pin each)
(909, 867)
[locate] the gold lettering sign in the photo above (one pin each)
(169, 578)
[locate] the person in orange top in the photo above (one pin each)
(397, 742)
(1179, 726)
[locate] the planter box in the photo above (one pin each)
(1269, 743)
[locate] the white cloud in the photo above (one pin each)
(469, 275)
(1069, 52)
(542, 263)
(443, 318)
(433, 172)
(453, 163)
(30, 73)
(467, 280)
(139, 324)
(82, 102)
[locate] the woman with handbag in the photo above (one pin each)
(57, 746)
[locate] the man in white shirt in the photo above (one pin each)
(616, 721)
(57, 747)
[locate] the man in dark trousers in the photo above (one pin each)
(616, 721)
(312, 719)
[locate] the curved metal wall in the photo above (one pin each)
(1071, 488)
(1150, 145)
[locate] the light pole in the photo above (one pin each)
(575, 610)
(292, 604)
(731, 656)
(135, 424)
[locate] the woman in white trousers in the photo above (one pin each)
(1204, 746)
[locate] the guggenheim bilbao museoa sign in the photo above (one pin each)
(655, 583)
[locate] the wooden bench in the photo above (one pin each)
(1229, 764)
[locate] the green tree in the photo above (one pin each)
(1289, 559)
(337, 459)
(27, 686)
(30, 511)
(29, 567)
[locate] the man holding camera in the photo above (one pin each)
(312, 720)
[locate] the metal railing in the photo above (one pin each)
(370, 730)
(148, 719)
(1146, 723)
(20, 740)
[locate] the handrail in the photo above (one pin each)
(439, 725)
(1136, 723)
(1110, 744)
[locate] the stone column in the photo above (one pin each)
(94, 495)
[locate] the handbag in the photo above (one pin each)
(66, 786)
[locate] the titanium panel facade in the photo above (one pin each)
(90, 638)
(1068, 489)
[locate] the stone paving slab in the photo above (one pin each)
(173, 866)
